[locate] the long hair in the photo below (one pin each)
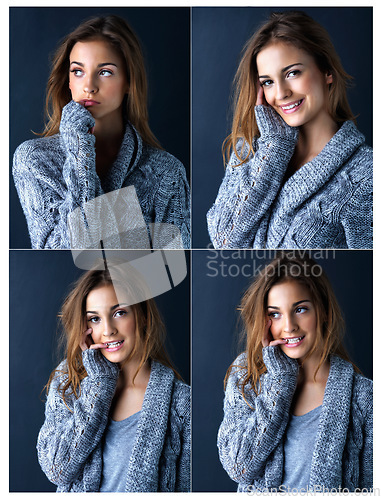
(117, 32)
(253, 310)
(300, 30)
(149, 338)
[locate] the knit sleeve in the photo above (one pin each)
(248, 190)
(48, 193)
(172, 201)
(251, 431)
(357, 216)
(183, 468)
(70, 433)
(366, 456)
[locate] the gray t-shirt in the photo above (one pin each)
(119, 439)
(298, 449)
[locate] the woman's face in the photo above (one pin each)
(293, 84)
(293, 317)
(112, 322)
(97, 78)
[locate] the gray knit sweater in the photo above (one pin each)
(327, 203)
(250, 440)
(70, 441)
(55, 175)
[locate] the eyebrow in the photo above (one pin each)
(99, 65)
(293, 305)
(283, 70)
(112, 308)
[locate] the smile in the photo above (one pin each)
(113, 346)
(293, 342)
(292, 107)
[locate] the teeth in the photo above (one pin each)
(291, 106)
(113, 344)
(294, 341)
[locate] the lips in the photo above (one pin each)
(291, 107)
(88, 102)
(293, 341)
(115, 345)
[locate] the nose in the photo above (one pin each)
(108, 328)
(289, 324)
(90, 86)
(283, 91)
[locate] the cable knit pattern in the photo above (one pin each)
(250, 438)
(327, 203)
(55, 175)
(69, 444)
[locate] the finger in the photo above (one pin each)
(260, 95)
(98, 346)
(86, 340)
(266, 337)
(277, 342)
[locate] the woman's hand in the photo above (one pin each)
(77, 118)
(267, 339)
(87, 341)
(261, 100)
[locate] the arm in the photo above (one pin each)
(68, 436)
(357, 217)
(366, 456)
(249, 434)
(248, 191)
(47, 194)
(183, 468)
(172, 202)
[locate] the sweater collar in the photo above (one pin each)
(143, 471)
(313, 176)
(326, 466)
(127, 159)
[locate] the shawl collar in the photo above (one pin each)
(311, 177)
(128, 157)
(326, 467)
(151, 431)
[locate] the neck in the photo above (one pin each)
(127, 374)
(307, 370)
(314, 136)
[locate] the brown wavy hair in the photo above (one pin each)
(300, 30)
(117, 32)
(149, 338)
(330, 322)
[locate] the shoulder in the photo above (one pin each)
(161, 161)
(359, 165)
(363, 393)
(37, 152)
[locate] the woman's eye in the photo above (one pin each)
(294, 72)
(93, 319)
(76, 72)
(106, 72)
(299, 310)
(266, 83)
(120, 313)
(274, 315)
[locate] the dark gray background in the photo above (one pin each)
(218, 36)
(164, 34)
(215, 331)
(39, 282)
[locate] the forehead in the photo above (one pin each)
(288, 292)
(278, 55)
(95, 50)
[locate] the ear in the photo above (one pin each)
(328, 78)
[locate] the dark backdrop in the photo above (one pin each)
(218, 36)
(40, 280)
(218, 282)
(34, 35)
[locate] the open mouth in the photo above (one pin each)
(294, 340)
(116, 343)
(291, 107)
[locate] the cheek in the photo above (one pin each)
(276, 329)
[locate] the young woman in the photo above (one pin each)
(298, 415)
(117, 416)
(300, 174)
(97, 139)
